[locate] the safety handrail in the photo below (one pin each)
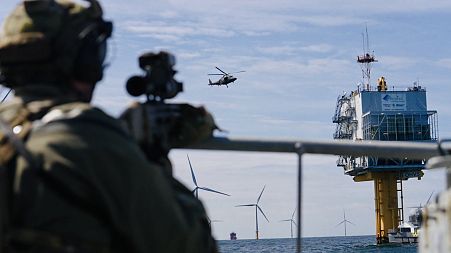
(383, 149)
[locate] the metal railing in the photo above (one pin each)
(384, 149)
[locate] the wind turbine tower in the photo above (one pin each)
(257, 208)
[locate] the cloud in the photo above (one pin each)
(268, 15)
(173, 31)
(327, 20)
(173, 25)
(169, 14)
(307, 6)
(216, 20)
(295, 49)
(299, 67)
(174, 20)
(187, 55)
(318, 48)
(398, 62)
(444, 63)
(279, 50)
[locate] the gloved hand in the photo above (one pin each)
(168, 126)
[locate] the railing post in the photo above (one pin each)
(300, 152)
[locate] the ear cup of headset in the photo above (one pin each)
(88, 65)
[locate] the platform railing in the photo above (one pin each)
(383, 149)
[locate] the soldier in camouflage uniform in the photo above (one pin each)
(82, 185)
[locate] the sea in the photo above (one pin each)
(339, 244)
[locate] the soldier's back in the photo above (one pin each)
(93, 185)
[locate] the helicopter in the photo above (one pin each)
(225, 79)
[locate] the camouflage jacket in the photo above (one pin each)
(97, 186)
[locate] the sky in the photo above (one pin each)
(298, 55)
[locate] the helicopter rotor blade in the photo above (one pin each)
(215, 74)
(221, 70)
(237, 72)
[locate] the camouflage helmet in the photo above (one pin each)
(52, 41)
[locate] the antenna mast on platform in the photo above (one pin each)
(366, 60)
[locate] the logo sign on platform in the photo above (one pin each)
(394, 102)
(412, 174)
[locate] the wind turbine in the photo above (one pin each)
(344, 221)
(195, 191)
(291, 222)
(257, 207)
(416, 216)
(427, 202)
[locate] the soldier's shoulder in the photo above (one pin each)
(78, 116)
(76, 110)
(10, 110)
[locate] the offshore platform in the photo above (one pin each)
(387, 114)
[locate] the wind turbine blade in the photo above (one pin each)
(292, 216)
(4, 98)
(350, 222)
(430, 196)
(262, 213)
(339, 223)
(221, 70)
(192, 172)
(284, 220)
(258, 200)
(195, 191)
(294, 222)
(245, 205)
(211, 190)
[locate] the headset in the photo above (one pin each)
(83, 58)
(75, 50)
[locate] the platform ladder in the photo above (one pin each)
(400, 201)
(343, 119)
(386, 204)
